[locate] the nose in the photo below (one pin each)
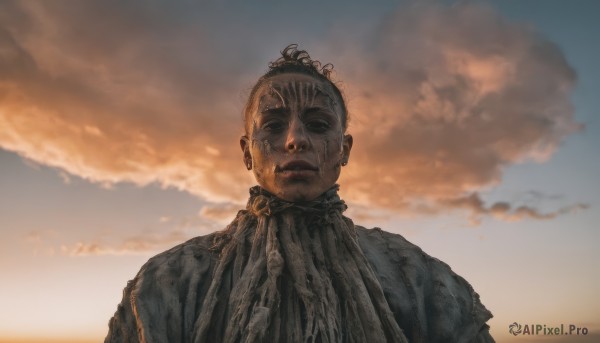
(296, 139)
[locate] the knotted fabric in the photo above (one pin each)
(293, 272)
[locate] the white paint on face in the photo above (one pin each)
(297, 138)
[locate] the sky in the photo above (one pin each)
(475, 129)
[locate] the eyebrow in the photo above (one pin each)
(282, 111)
(275, 110)
(317, 109)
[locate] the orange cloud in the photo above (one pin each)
(222, 213)
(443, 99)
(143, 244)
(107, 102)
(503, 210)
(169, 232)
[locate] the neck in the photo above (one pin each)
(294, 272)
(262, 202)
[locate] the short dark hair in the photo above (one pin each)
(293, 60)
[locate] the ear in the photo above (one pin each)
(247, 157)
(346, 147)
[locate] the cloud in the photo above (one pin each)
(168, 232)
(133, 99)
(221, 213)
(504, 210)
(142, 244)
(367, 216)
(146, 242)
(37, 241)
(443, 99)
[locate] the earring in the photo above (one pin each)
(249, 165)
(344, 163)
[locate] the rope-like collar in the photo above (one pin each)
(263, 203)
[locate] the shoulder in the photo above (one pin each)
(446, 306)
(191, 256)
(164, 294)
(171, 275)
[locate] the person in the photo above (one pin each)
(291, 267)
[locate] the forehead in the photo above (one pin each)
(291, 89)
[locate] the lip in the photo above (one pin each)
(298, 165)
(297, 169)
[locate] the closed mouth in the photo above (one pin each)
(297, 165)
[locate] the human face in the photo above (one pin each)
(295, 142)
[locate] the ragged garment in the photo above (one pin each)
(298, 272)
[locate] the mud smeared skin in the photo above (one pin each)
(296, 118)
(290, 267)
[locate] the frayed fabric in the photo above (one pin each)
(294, 272)
(298, 272)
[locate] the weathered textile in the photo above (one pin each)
(290, 272)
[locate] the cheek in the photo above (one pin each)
(264, 142)
(262, 154)
(332, 149)
(262, 148)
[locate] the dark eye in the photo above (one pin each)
(273, 126)
(318, 125)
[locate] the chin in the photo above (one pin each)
(297, 196)
(298, 193)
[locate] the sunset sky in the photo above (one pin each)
(475, 124)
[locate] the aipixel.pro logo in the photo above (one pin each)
(546, 330)
(514, 328)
